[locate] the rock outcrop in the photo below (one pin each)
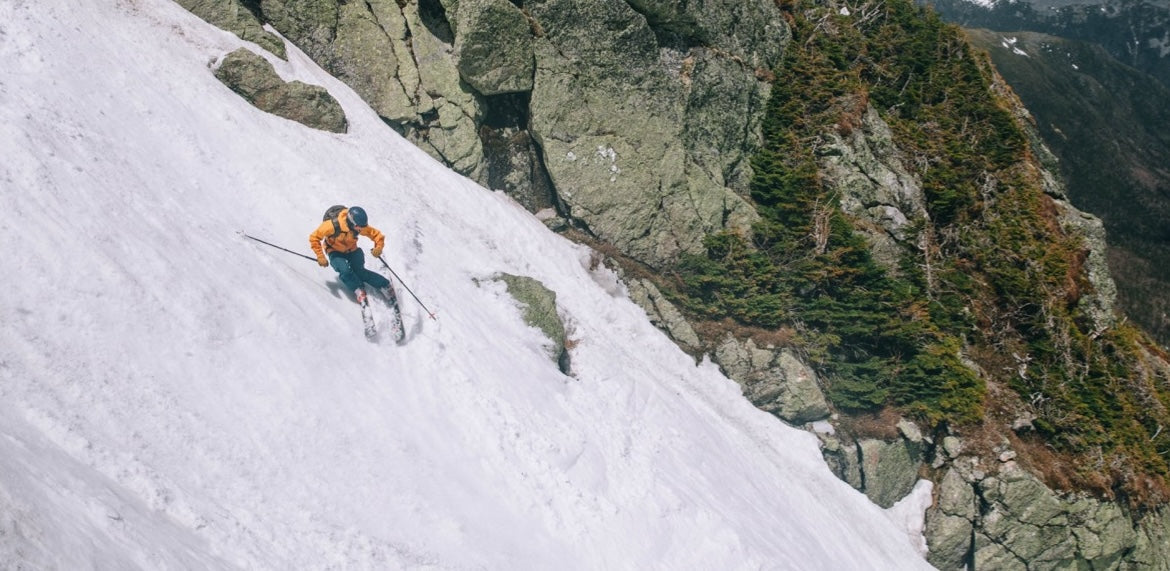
(994, 514)
(774, 380)
(866, 169)
(884, 470)
(493, 46)
(254, 78)
(663, 314)
(646, 132)
(634, 119)
(540, 311)
(400, 60)
(236, 18)
(1002, 517)
(1100, 303)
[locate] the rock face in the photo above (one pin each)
(493, 46)
(636, 142)
(633, 119)
(1010, 520)
(400, 60)
(1100, 305)
(251, 76)
(889, 469)
(866, 169)
(993, 514)
(950, 523)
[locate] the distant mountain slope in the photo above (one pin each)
(1135, 32)
(1108, 124)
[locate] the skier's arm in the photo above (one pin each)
(317, 236)
(379, 239)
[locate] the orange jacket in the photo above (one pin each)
(346, 240)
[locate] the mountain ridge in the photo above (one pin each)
(1107, 123)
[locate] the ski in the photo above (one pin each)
(371, 328)
(391, 300)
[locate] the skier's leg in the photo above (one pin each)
(357, 261)
(344, 266)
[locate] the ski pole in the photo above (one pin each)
(407, 288)
(277, 247)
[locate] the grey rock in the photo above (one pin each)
(361, 43)
(369, 52)
(234, 17)
(910, 431)
(1023, 422)
(663, 314)
(1153, 537)
(1021, 524)
(449, 113)
(956, 496)
(1031, 502)
(1106, 533)
(722, 111)
(734, 358)
(514, 165)
(1100, 303)
(493, 46)
(773, 380)
(612, 106)
(540, 311)
(867, 169)
(1033, 524)
(801, 399)
(400, 62)
(992, 555)
(950, 523)
(842, 459)
(310, 24)
(254, 78)
(748, 29)
(952, 446)
(889, 469)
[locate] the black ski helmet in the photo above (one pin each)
(357, 216)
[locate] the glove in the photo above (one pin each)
(376, 252)
(321, 261)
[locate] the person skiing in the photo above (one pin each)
(337, 238)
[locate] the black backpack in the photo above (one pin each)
(331, 215)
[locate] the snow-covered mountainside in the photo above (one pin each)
(175, 396)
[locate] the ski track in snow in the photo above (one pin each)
(175, 396)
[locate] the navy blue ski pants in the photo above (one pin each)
(351, 266)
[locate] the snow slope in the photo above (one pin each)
(174, 396)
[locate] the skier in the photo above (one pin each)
(339, 233)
